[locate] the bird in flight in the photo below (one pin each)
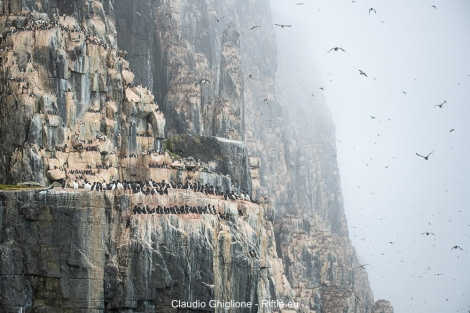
(299, 3)
(283, 25)
(362, 73)
(372, 10)
(440, 105)
(427, 233)
(219, 19)
(254, 27)
(452, 130)
(456, 247)
(138, 13)
(202, 81)
(425, 157)
(336, 49)
(433, 6)
(361, 267)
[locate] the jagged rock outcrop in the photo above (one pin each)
(181, 91)
(382, 306)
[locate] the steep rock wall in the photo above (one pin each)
(91, 89)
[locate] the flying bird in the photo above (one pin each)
(452, 130)
(456, 247)
(219, 19)
(299, 3)
(44, 191)
(362, 73)
(202, 81)
(427, 233)
(283, 25)
(372, 10)
(433, 6)
(425, 157)
(254, 27)
(440, 105)
(336, 49)
(361, 267)
(138, 13)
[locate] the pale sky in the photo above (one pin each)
(415, 57)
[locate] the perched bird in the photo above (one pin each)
(253, 27)
(362, 73)
(283, 25)
(425, 157)
(456, 247)
(440, 105)
(336, 49)
(372, 10)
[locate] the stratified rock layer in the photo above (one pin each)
(181, 91)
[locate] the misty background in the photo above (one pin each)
(405, 214)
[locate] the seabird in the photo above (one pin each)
(452, 130)
(425, 157)
(427, 233)
(138, 13)
(254, 27)
(87, 186)
(440, 105)
(336, 49)
(219, 19)
(283, 25)
(75, 185)
(362, 73)
(44, 191)
(202, 81)
(361, 267)
(433, 6)
(456, 247)
(372, 10)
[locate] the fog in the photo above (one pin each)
(405, 213)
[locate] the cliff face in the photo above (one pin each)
(181, 91)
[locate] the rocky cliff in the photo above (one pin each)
(112, 92)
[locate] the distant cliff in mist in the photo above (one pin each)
(181, 91)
